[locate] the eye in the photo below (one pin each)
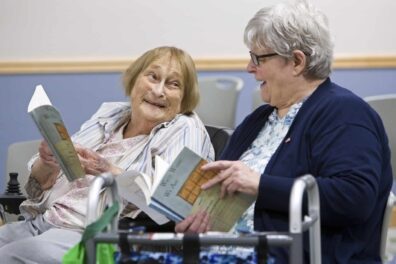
(152, 76)
(174, 84)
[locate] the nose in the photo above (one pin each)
(159, 89)
(251, 67)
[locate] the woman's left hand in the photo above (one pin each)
(94, 164)
(234, 176)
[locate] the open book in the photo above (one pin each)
(50, 124)
(175, 192)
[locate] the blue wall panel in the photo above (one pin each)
(77, 96)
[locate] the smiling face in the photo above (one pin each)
(157, 94)
(275, 74)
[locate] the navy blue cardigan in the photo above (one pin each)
(340, 140)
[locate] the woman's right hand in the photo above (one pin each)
(195, 223)
(45, 169)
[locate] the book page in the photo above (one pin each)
(161, 166)
(171, 196)
(179, 194)
(51, 126)
(39, 98)
(133, 188)
(223, 213)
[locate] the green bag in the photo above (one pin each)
(104, 252)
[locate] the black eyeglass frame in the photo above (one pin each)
(256, 58)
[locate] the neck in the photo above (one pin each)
(305, 89)
(135, 128)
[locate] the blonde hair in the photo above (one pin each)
(189, 75)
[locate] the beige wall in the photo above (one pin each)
(122, 29)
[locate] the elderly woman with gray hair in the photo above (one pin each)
(309, 125)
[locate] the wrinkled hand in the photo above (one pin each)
(47, 157)
(234, 176)
(94, 164)
(45, 169)
(196, 223)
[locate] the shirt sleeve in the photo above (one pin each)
(187, 131)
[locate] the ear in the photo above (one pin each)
(299, 60)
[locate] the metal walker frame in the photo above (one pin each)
(292, 239)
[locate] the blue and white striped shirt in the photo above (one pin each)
(64, 205)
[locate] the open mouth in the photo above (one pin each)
(157, 104)
(263, 84)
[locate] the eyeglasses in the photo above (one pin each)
(256, 58)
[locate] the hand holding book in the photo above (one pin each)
(235, 177)
(53, 130)
(47, 157)
(95, 164)
(179, 194)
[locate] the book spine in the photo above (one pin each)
(165, 210)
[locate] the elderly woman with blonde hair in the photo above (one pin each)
(158, 120)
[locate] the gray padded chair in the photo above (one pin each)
(219, 98)
(219, 136)
(385, 225)
(385, 105)
(18, 155)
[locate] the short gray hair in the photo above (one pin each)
(284, 28)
